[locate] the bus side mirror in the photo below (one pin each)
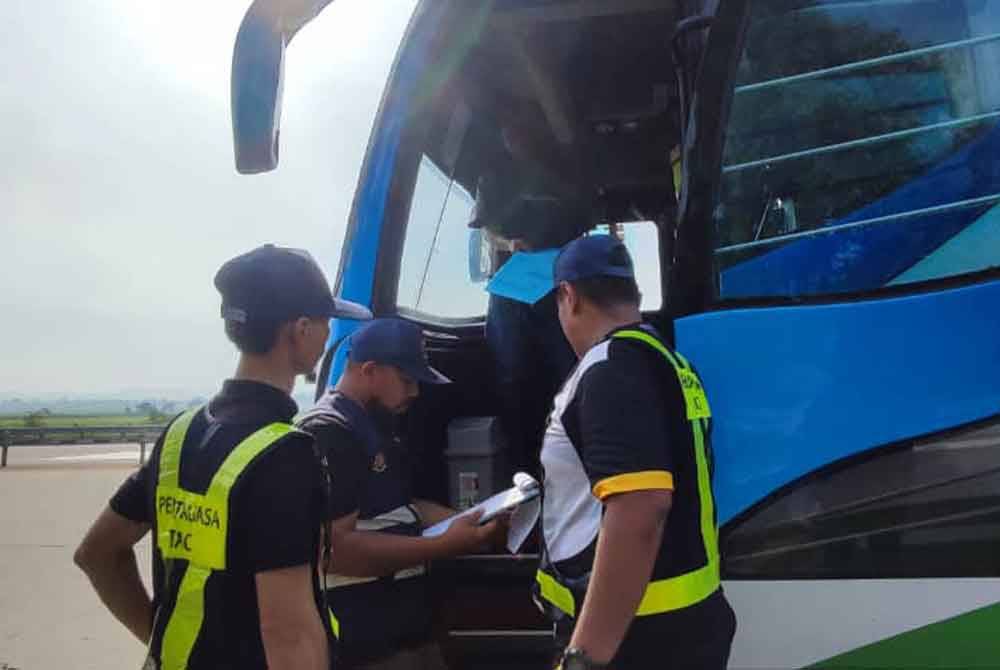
(258, 61)
(258, 65)
(479, 257)
(778, 218)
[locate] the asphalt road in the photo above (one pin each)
(49, 616)
(85, 455)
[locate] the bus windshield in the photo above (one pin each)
(531, 124)
(861, 149)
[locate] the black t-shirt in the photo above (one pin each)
(275, 511)
(370, 474)
(629, 418)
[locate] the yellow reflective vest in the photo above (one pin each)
(684, 590)
(193, 527)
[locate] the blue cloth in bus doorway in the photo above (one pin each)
(526, 277)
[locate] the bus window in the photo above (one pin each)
(642, 240)
(866, 163)
(931, 509)
(434, 275)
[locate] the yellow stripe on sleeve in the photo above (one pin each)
(634, 481)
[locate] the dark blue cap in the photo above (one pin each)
(397, 343)
(593, 256)
(279, 284)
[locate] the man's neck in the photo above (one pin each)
(606, 323)
(265, 370)
(350, 387)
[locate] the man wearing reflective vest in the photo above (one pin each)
(233, 495)
(630, 567)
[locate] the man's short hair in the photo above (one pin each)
(609, 292)
(257, 336)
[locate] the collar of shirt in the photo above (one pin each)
(354, 417)
(638, 325)
(242, 400)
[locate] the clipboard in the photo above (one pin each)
(526, 488)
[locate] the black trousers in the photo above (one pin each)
(699, 637)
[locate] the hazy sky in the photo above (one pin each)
(118, 195)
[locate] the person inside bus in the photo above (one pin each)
(530, 353)
(378, 591)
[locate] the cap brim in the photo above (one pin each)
(345, 309)
(426, 374)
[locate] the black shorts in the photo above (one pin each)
(696, 638)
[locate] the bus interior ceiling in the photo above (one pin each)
(580, 99)
(582, 92)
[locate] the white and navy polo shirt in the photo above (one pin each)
(619, 424)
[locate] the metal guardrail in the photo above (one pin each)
(46, 436)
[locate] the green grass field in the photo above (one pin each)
(83, 421)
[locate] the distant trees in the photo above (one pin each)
(37, 418)
(152, 413)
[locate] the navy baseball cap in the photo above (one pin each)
(592, 256)
(279, 284)
(397, 343)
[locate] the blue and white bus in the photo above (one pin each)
(812, 191)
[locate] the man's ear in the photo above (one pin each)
(572, 297)
(368, 368)
(301, 326)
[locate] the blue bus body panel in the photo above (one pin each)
(796, 388)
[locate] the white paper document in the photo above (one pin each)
(521, 522)
(522, 499)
